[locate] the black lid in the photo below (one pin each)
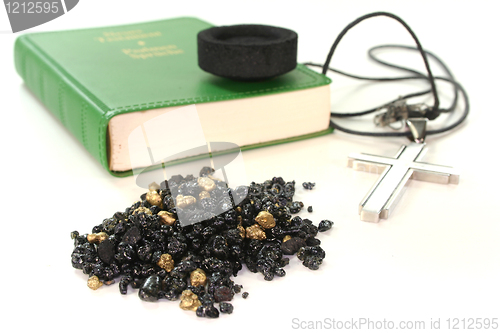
(247, 52)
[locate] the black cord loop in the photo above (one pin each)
(430, 113)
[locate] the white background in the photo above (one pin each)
(437, 256)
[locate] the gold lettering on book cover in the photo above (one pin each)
(119, 36)
(153, 51)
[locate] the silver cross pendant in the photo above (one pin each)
(396, 172)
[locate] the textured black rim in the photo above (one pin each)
(247, 52)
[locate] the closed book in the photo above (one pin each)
(104, 83)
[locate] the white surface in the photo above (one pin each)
(436, 257)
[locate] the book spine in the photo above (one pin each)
(78, 111)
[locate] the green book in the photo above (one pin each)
(104, 83)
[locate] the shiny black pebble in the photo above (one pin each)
(226, 307)
(200, 312)
(132, 236)
(292, 245)
(223, 294)
(212, 312)
(308, 185)
(325, 225)
(150, 289)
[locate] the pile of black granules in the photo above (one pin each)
(171, 245)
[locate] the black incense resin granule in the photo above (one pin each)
(147, 248)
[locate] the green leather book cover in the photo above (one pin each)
(87, 76)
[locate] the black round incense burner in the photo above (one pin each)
(247, 52)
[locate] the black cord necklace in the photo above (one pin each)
(398, 109)
(407, 163)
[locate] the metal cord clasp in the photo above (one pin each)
(398, 110)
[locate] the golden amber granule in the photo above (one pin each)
(167, 217)
(242, 231)
(166, 262)
(94, 283)
(97, 238)
(184, 201)
(287, 237)
(198, 277)
(154, 198)
(238, 210)
(203, 194)
(189, 300)
(206, 183)
(255, 232)
(142, 210)
(265, 219)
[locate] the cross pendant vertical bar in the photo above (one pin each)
(395, 174)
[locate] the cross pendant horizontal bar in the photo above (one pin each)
(395, 173)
